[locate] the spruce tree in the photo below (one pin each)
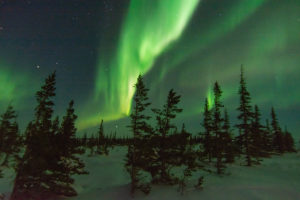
(35, 177)
(187, 157)
(67, 151)
(101, 143)
(137, 151)
(10, 141)
(227, 139)
(267, 138)
(278, 139)
(245, 117)
(91, 144)
(289, 143)
(164, 119)
(208, 138)
(256, 136)
(219, 145)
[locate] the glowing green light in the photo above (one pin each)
(13, 87)
(149, 29)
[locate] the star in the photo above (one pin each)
(1, 28)
(38, 67)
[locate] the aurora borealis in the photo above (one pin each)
(98, 48)
(143, 38)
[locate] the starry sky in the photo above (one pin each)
(98, 49)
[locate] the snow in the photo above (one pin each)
(277, 178)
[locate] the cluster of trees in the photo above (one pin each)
(49, 159)
(99, 143)
(255, 140)
(46, 155)
(10, 141)
(154, 151)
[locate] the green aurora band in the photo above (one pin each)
(146, 42)
(14, 88)
(144, 37)
(218, 28)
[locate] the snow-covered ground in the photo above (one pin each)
(276, 178)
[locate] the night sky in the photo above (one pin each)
(98, 48)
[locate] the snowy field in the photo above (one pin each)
(276, 178)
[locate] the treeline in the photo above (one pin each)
(45, 156)
(155, 152)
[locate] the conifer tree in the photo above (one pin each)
(67, 151)
(136, 157)
(35, 177)
(164, 128)
(245, 117)
(101, 143)
(267, 138)
(10, 141)
(55, 126)
(256, 135)
(289, 143)
(278, 139)
(208, 138)
(91, 144)
(182, 141)
(187, 156)
(227, 139)
(219, 145)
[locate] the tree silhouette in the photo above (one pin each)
(267, 138)
(49, 160)
(101, 143)
(289, 142)
(10, 141)
(35, 178)
(245, 117)
(219, 145)
(227, 140)
(164, 127)
(136, 158)
(66, 150)
(256, 135)
(278, 140)
(207, 124)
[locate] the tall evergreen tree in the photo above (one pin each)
(219, 145)
(67, 151)
(164, 119)
(278, 139)
(136, 156)
(35, 178)
(245, 117)
(10, 141)
(256, 136)
(267, 137)
(227, 139)
(208, 138)
(289, 143)
(101, 143)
